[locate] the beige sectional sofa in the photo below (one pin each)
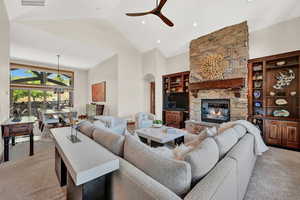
(143, 176)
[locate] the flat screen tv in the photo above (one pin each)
(176, 101)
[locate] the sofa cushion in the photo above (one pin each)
(203, 158)
(98, 124)
(86, 128)
(240, 130)
(226, 141)
(112, 141)
(174, 174)
(243, 154)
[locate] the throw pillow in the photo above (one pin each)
(194, 143)
(211, 132)
(180, 151)
(110, 140)
(202, 159)
(174, 174)
(226, 141)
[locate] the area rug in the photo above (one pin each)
(276, 176)
(31, 178)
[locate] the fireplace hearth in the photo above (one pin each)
(215, 110)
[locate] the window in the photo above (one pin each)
(32, 88)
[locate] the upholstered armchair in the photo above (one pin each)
(144, 120)
(115, 124)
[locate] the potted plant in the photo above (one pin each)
(157, 123)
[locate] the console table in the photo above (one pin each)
(85, 167)
(10, 129)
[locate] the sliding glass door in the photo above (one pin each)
(32, 88)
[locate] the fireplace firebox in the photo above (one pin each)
(215, 110)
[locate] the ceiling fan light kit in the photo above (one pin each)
(156, 11)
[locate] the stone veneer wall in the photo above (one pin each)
(220, 55)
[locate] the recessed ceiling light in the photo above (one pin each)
(250, 0)
(158, 41)
(195, 24)
(143, 22)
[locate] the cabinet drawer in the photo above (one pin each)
(18, 128)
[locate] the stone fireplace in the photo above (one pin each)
(219, 71)
(215, 110)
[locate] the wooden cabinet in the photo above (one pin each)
(282, 133)
(173, 118)
(273, 102)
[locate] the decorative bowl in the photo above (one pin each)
(157, 125)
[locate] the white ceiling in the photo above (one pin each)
(88, 32)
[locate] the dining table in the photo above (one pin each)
(57, 112)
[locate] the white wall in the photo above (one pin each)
(154, 63)
(130, 82)
(276, 39)
(80, 90)
(4, 63)
(106, 71)
(178, 63)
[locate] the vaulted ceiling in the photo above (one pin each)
(87, 32)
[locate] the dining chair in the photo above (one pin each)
(48, 123)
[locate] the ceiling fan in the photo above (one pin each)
(156, 11)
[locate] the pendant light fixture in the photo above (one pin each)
(58, 90)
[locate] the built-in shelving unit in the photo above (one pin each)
(176, 99)
(274, 98)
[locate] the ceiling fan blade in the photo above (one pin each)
(137, 14)
(165, 19)
(161, 4)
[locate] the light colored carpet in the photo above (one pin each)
(30, 178)
(276, 176)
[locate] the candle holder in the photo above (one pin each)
(73, 136)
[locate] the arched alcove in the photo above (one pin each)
(149, 88)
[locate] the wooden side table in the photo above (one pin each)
(11, 129)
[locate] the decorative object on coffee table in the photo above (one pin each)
(157, 123)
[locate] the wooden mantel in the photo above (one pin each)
(234, 84)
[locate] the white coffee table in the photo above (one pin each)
(84, 166)
(159, 136)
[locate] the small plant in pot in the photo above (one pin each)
(157, 123)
